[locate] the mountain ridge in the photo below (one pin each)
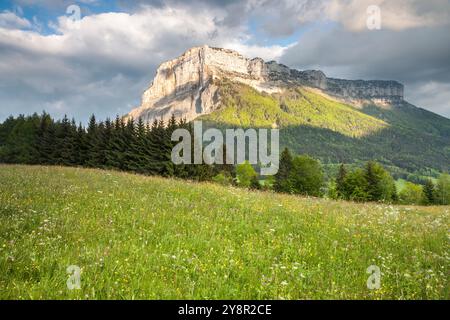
(185, 85)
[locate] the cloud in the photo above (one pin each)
(415, 57)
(395, 15)
(268, 53)
(431, 94)
(104, 62)
(53, 4)
(9, 20)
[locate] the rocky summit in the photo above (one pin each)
(188, 86)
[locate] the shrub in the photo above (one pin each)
(244, 174)
(306, 176)
(411, 194)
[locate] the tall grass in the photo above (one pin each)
(140, 237)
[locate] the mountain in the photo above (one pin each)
(335, 120)
(187, 86)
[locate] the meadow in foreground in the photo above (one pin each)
(138, 237)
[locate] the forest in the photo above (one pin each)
(146, 149)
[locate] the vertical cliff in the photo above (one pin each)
(187, 86)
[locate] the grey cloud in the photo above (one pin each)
(102, 68)
(105, 70)
(415, 57)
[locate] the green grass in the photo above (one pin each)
(245, 107)
(140, 237)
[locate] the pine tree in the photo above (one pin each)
(95, 141)
(65, 143)
(282, 183)
(117, 146)
(46, 141)
(107, 138)
(80, 148)
(429, 193)
(140, 157)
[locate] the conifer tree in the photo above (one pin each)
(92, 143)
(429, 193)
(47, 141)
(380, 184)
(80, 146)
(65, 143)
(282, 182)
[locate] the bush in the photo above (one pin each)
(380, 184)
(306, 176)
(356, 186)
(410, 194)
(223, 179)
(373, 183)
(245, 174)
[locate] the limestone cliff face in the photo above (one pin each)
(186, 86)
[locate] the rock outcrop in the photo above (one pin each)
(187, 86)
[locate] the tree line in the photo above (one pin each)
(372, 183)
(146, 149)
(119, 144)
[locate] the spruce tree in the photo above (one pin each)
(429, 193)
(43, 141)
(65, 142)
(140, 156)
(282, 183)
(80, 148)
(117, 146)
(95, 141)
(47, 141)
(380, 184)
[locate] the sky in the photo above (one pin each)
(96, 56)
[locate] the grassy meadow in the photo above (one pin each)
(138, 237)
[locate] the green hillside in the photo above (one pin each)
(138, 237)
(410, 141)
(242, 106)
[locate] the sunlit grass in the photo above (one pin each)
(140, 237)
(243, 106)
